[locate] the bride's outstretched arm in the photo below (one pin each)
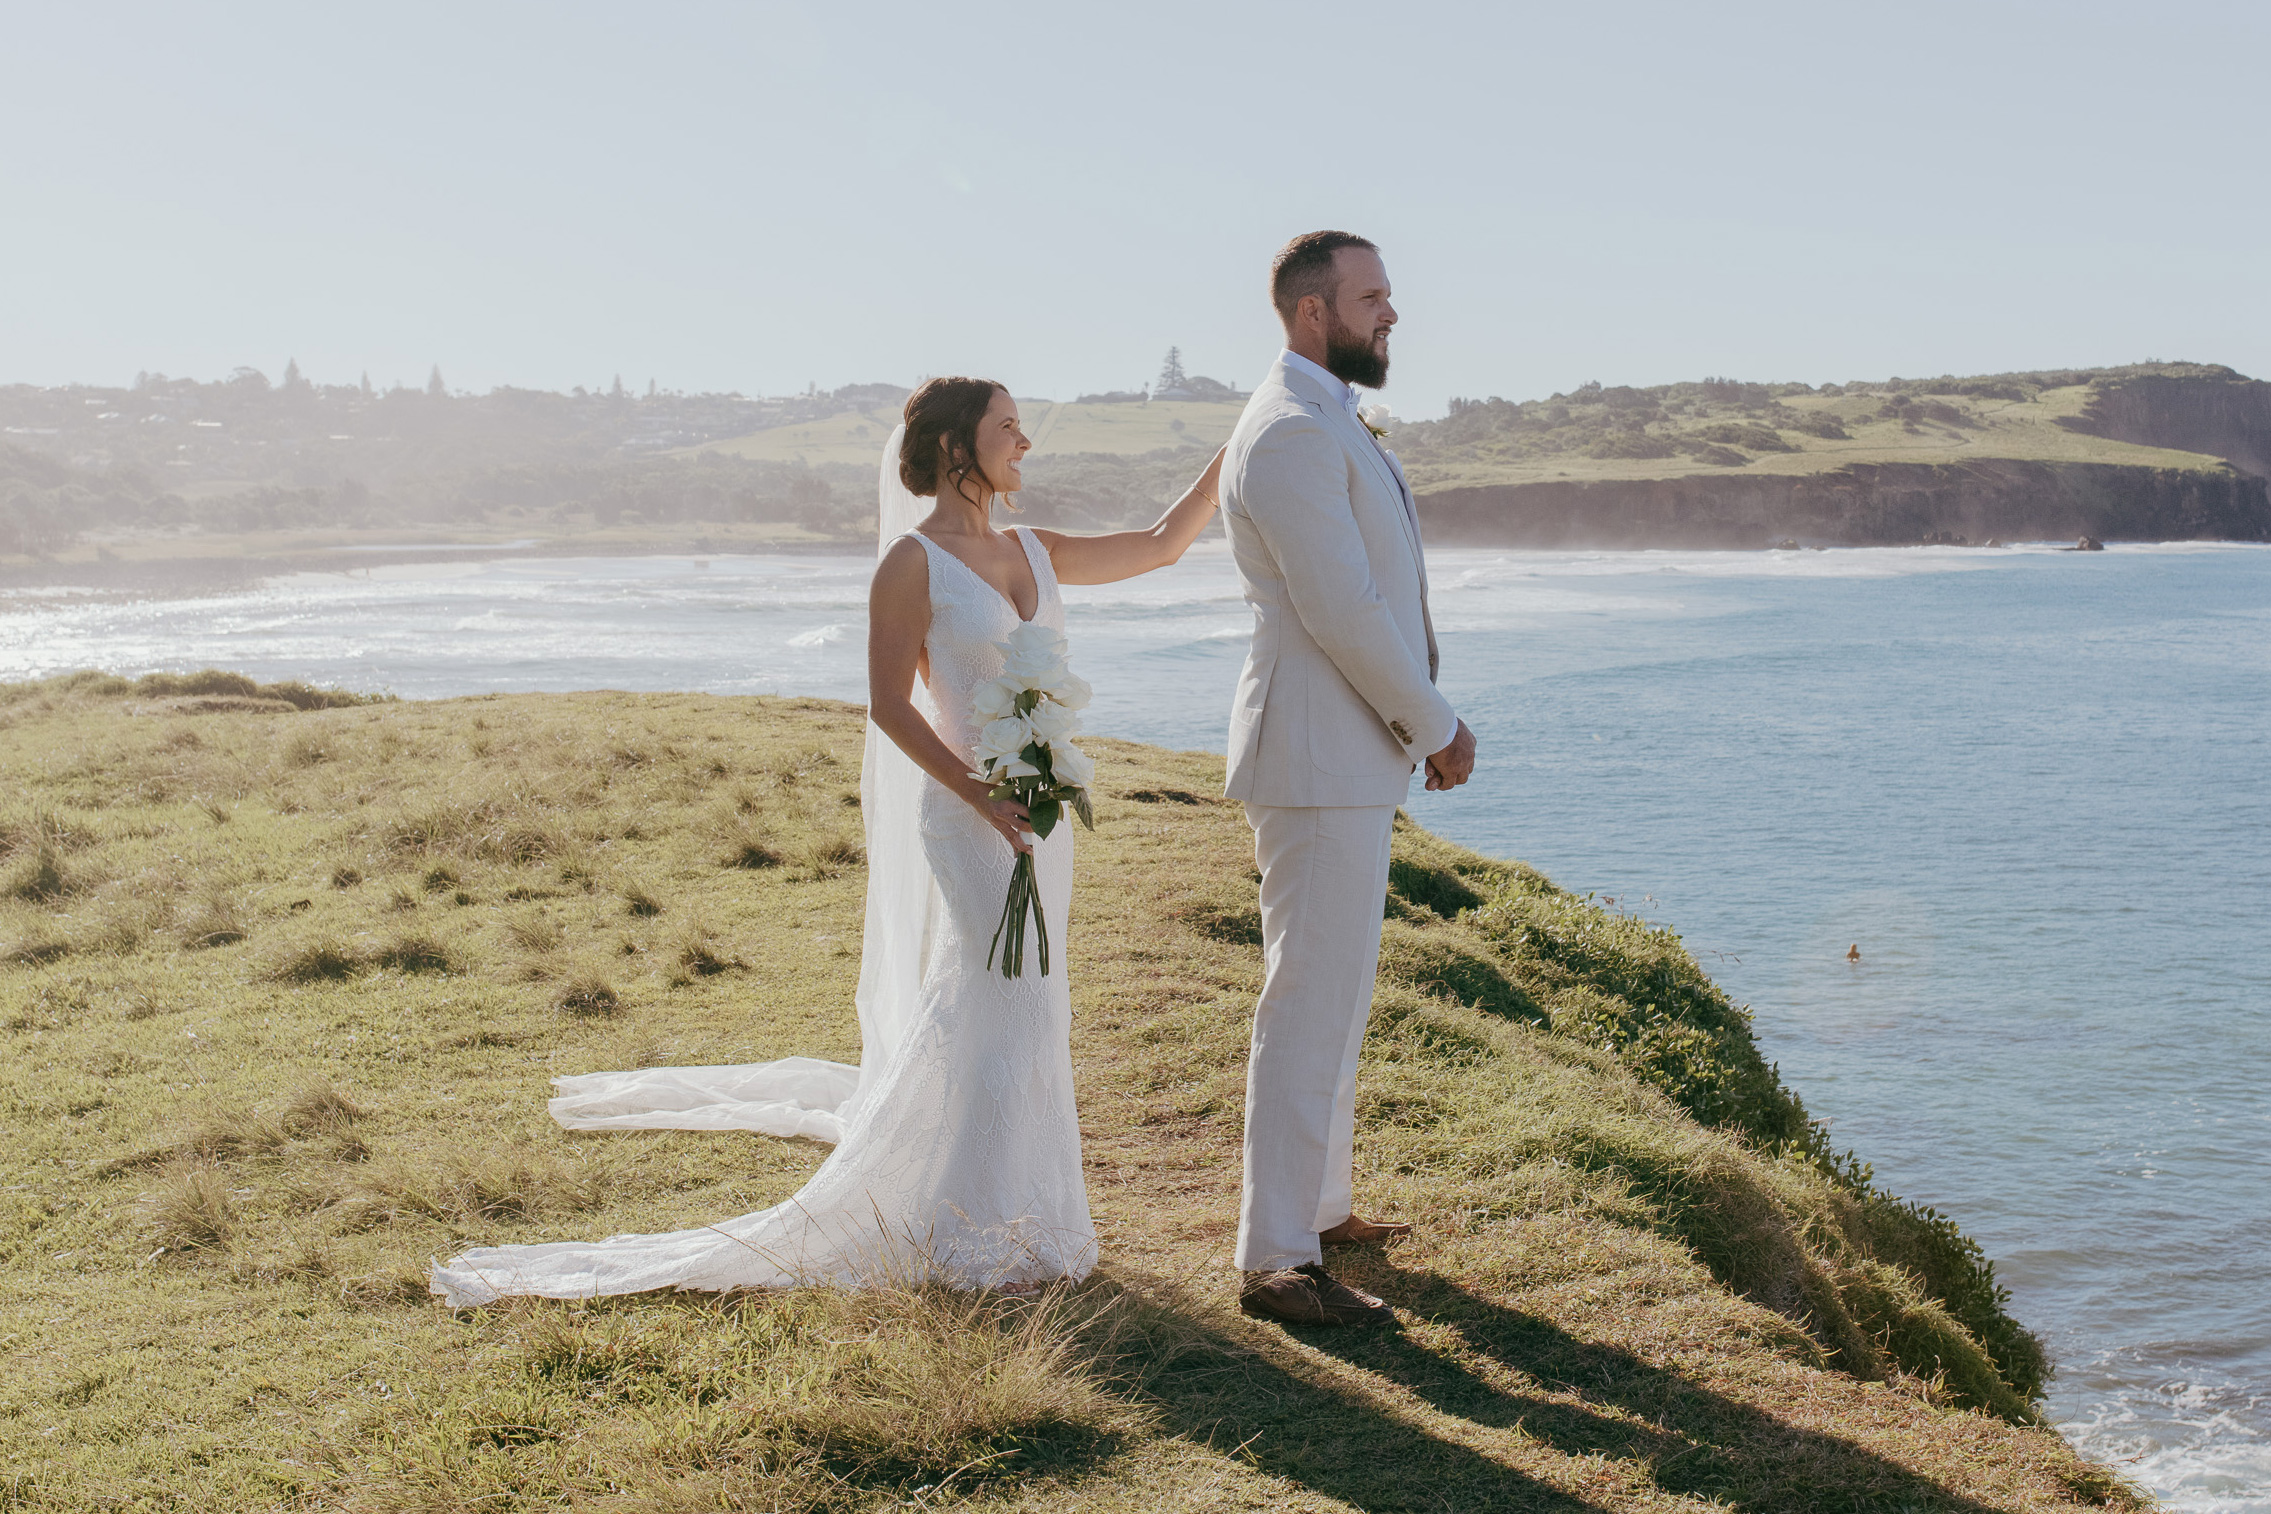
(1123, 554)
(898, 618)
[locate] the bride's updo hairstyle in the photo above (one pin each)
(948, 411)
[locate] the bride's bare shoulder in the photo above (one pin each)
(904, 568)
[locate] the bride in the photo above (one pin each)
(957, 1153)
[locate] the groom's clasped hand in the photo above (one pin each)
(957, 1147)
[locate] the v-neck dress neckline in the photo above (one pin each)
(1025, 544)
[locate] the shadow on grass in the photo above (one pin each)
(1283, 1414)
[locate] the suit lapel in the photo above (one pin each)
(1369, 445)
(1411, 511)
(1365, 444)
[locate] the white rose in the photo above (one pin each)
(1072, 765)
(1003, 738)
(1034, 656)
(995, 698)
(1072, 691)
(1017, 767)
(1052, 722)
(1033, 634)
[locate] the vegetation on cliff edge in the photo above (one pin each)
(283, 987)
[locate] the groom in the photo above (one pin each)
(1336, 708)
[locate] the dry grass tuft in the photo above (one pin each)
(416, 952)
(189, 1209)
(517, 1182)
(538, 934)
(640, 902)
(35, 951)
(750, 852)
(587, 994)
(698, 956)
(830, 856)
(316, 962)
(40, 877)
(346, 877)
(939, 1388)
(319, 1107)
(227, 1133)
(219, 920)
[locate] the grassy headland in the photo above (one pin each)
(1712, 425)
(283, 986)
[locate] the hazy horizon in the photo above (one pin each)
(757, 198)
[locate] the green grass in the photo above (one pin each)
(1718, 426)
(1639, 1282)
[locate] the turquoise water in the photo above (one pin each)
(2029, 785)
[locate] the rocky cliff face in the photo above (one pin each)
(1869, 505)
(2225, 416)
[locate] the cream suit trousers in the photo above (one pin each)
(1324, 880)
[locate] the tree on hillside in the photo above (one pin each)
(434, 383)
(616, 392)
(1171, 371)
(368, 391)
(292, 379)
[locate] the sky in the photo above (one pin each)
(757, 197)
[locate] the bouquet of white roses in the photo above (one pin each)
(1027, 719)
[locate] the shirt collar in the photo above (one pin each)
(1295, 360)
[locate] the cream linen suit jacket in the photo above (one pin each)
(1337, 703)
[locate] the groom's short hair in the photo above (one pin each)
(1304, 266)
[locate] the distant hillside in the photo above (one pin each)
(82, 463)
(169, 468)
(2159, 451)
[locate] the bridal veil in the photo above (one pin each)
(805, 1096)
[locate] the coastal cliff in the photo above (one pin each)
(2155, 452)
(284, 974)
(1859, 505)
(2214, 411)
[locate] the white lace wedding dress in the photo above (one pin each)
(957, 1147)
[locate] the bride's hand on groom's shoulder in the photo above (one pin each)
(1453, 765)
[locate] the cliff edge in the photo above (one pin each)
(2156, 452)
(284, 974)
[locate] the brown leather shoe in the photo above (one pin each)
(1308, 1295)
(1355, 1232)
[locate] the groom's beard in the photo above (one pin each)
(1350, 358)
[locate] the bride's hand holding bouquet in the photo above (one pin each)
(1028, 717)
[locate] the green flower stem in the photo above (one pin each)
(1024, 894)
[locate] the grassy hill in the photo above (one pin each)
(283, 978)
(1715, 426)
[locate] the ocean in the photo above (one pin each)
(2029, 785)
